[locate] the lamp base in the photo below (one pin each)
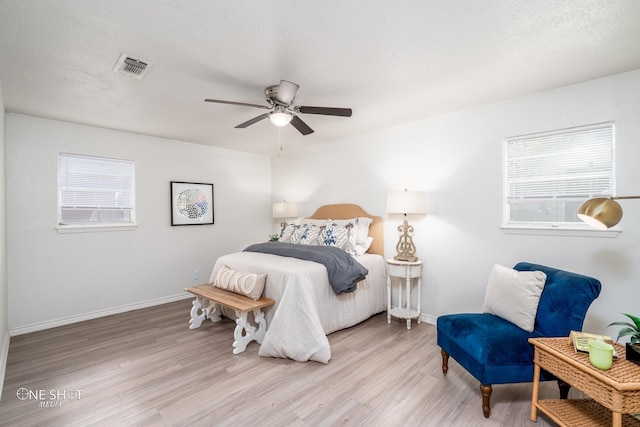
(405, 247)
(407, 258)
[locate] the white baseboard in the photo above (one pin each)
(428, 319)
(93, 315)
(3, 358)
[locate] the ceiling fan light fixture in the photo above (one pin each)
(282, 112)
(280, 117)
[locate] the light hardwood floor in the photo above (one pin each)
(146, 367)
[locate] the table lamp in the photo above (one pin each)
(406, 202)
(284, 210)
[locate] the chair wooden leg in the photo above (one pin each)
(564, 389)
(445, 362)
(486, 390)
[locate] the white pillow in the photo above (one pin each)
(363, 229)
(250, 285)
(362, 249)
(514, 295)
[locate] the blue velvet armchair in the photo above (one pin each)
(496, 351)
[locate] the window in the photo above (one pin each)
(95, 191)
(548, 175)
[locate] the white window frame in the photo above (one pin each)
(128, 186)
(555, 184)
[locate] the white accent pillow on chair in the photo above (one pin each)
(514, 295)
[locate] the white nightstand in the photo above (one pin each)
(404, 270)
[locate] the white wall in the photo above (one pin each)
(61, 278)
(4, 304)
(457, 160)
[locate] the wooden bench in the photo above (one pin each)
(207, 306)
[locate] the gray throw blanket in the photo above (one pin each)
(344, 271)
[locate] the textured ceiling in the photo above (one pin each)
(391, 62)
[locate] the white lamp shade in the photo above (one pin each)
(407, 202)
(285, 210)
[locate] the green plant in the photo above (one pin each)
(629, 329)
(273, 237)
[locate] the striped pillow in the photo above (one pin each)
(309, 235)
(287, 233)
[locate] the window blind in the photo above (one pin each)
(549, 174)
(95, 190)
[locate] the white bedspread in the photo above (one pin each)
(306, 308)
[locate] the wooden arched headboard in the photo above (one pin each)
(348, 211)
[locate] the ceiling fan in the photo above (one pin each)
(280, 99)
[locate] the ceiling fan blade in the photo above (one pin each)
(286, 92)
(327, 111)
(252, 121)
(302, 127)
(219, 101)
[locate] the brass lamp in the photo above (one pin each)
(284, 210)
(601, 212)
(406, 202)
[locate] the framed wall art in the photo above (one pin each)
(191, 203)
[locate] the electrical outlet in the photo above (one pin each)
(196, 275)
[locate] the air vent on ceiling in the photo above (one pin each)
(131, 66)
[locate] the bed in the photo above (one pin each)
(307, 308)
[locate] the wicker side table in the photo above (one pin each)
(614, 393)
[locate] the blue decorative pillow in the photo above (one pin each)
(361, 225)
(309, 235)
(297, 233)
(344, 237)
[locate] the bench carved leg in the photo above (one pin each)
(214, 312)
(199, 313)
(258, 316)
(243, 333)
